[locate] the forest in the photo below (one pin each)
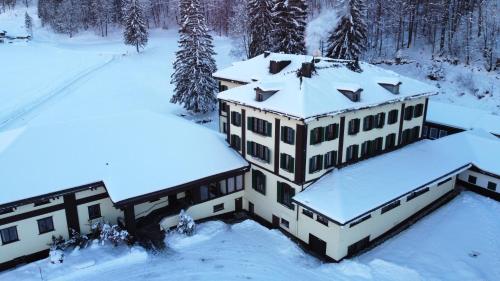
(459, 31)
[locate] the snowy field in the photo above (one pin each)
(457, 242)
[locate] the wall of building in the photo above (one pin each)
(339, 238)
(205, 209)
(482, 180)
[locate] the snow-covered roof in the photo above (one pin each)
(462, 117)
(346, 194)
(133, 155)
(304, 98)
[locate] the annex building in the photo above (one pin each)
(329, 151)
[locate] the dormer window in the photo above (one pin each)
(277, 66)
(261, 95)
(354, 96)
(391, 85)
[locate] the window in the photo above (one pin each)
(307, 213)
(390, 141)
(224, 127)
(94, 211)
(425, 130)
(472, 179)
(419, 110)
(285, 194)
(259, 181)
(222, 87)
(442, 133)
(287, 162)
(230, 185)
(258, 151)
(377, 145)
(417, 193)
(433, 134)
(368, 123)
(360, 220)
(45, 225)
(365, 148)
(235, 142)
(393, 116)
(390, 206)
(315, 163)
(239, 182)
(330, 159)
(9, 235)
(380, 120)
(285, 223)
(408, 113)
(353, 126)
(6, 210)
(213, 190)
(415, 133)
(287, 135)
(492, 186)
(352, 152)
(223, 186)
(236, 118)
(203, 193)
(331, 132)
(260, 126)
(317, 135)
(322, 220)
(42, 202)
(406, 136)
(218, 207)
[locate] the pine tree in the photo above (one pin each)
(348, 39)
(289, 26)
(28, 24)
(135, 32)
(261, 26)
(194, 85)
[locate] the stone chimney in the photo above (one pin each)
(277, 66)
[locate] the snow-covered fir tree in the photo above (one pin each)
(195, 87)
(135, 32)
(239, 29)
(289, 26)
(28, 24)
(348, 39)
(261, 26)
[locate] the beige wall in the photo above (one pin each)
(205, 209)
(339, 238)
(482, 179)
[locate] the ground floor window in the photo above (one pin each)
(492, 186)
(259, 181)
(45, 225)
(94, 211)
(218, 207)
(285, 194)
(472, 179)
(322, 220)
(390, 206)
(352, 152)
(9, 235)
(285, 223)
(307, 213)
(415, 194)
(218, 189)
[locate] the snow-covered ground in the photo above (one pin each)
(457, 242)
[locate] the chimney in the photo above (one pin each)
(277, 66)
(306, 70)
(266, 54)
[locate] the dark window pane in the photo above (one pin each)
(94, 211)
(45, 225)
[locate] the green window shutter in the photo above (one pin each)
(267, 154)
(269, 127)
(249, 147)
(283, 132)
(282, 161)
(312, 139)
(311, 161)
(250, 123)
(293, 136)
(280, 192)
(336, 131)
(292, 165)
(320, 162)
(254, 179)
(321, 134)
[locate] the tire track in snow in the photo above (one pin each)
(22, 113)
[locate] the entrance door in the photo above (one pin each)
(356, 247)
(276, 221)
(238, 204)
(317, 245)
(251, 208)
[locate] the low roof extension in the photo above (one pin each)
(321, 94)
(461, 117)
(132, 155)
(352, 192)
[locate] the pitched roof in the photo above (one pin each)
(462, 117)
(133, 155)
(304, 98)
(346, 194)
